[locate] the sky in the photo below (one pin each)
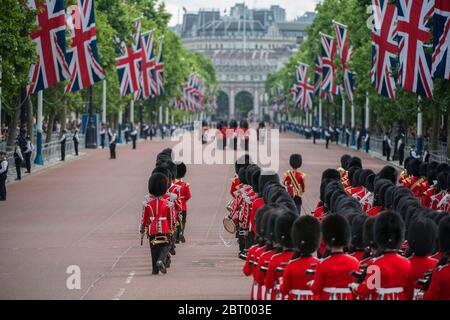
(293, 8)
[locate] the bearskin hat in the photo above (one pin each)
(383, 190)
(242, 175)
(357, 227)
(443, 167)
(270, 188)
(444, 235)
(270, 226)
(255, 180)
(306, 234)
(181, 170)
(406, 204)
(335, 195)
(389, 173)
(406, 162)
(389, 230)
(243, 161)
(431, 175)
(345, 160)
(355, 162)
(157, 184)
(399, 193)
(379, 185)
(422, 234)
(295, 161)
(423, 169)
(331, 174)
(323, 185)
(286, 201)
(388, 197)
(233, 124)
(442, 181)
(346, 204)
(329, 189)
(368, 232)
(267, 176)
(363, 176)
(354, 182)
(249, 173)
(370, 182)
(167, 151)
(259, 217)
(244, 124)
(414, 168)
(335, 231)
(283, 228)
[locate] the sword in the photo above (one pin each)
(142, 238)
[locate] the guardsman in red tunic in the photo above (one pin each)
(343, 170)
(279, 261)
(266, 256)
(389, 276)
(256, 202)
(422, 234)
(430, 190)
(305, 238)
(440, 200)
(294, 180)
(333, 274)
(413, 174)
(184, 194)
(251, 261)
(380, 187)
(156, 221)
(404, 175)
(439, 288)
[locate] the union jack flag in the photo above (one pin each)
(345, 52)
(83, 59)
(441, 52)
(414, 33)
(384, 47)
(329, 70)
(50, 40)
(303, 91)
(148, 66)
(128, 65)
(160, 71)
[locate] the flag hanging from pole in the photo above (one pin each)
(345, 52)
(441, 43)
(329, 70)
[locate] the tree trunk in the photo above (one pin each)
(63, 114)
(51, 119)
(30, 121)
(12, 127)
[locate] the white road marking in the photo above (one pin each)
(119, 294)
(130, 277)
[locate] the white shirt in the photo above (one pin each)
(76, 137)
(19, 152)
(63, 138)
(4, 166)
(30, 147)
(113, 139)
(134, 132)
(366, 138)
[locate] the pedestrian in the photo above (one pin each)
(126, 132)
(103, 136)
(151, 132)
(76, 141)
(367, 141)
(294, 180)
(133, 135)
(388, 146)
(413, 152)
(347, 137)
(384, 145)
(327, 137)
(18, 159)
(337, 134)
(28, 152)
(314, 134)
(156, 221)
(184, 197)
(3, 175)
(401, 149)
(112, 145)
(358, 139)
(62, 143)
(145, 133)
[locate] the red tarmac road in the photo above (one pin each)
(86, 213)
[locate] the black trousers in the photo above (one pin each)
(327, 142)
(250, 240)
(241, 240)
(2, 187)
(347, 140)
(387, 151)
(63, 151)
(112, 150)
(298, 202)
(102, 141)
(134, 142)
(401, 157)
(18, 163)
(314, 137)
(158, 253)
(75, 145)
(180, 228)
(27, 157)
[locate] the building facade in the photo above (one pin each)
(245, 46)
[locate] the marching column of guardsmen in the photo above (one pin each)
(372, 236)
(164, 212)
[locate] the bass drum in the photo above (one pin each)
(229, 225)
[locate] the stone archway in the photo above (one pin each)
(244, 103)
(223, 102)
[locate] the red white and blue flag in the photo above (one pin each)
(414, 34)
(82, 56)
(329, 70)
(384, 47)
(50, 40)
(441, 45)
(128, 65)
(345, 52)
(148, 66)
(318, 74)
(160, 70)
(302, 91)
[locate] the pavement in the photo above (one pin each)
(85, 213)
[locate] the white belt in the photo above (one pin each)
(255, 291)
(160, 218)
(277, 286)
(269, 294)
(383, 291)
(336, 290)
(263, 292)
(297, 292)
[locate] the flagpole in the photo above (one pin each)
(104, 102)
(320, 112)
(119, 127)
(132, 111)
(353, 123)
(419, 143)
(367, 122)
(343, 117)
(39, 160)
